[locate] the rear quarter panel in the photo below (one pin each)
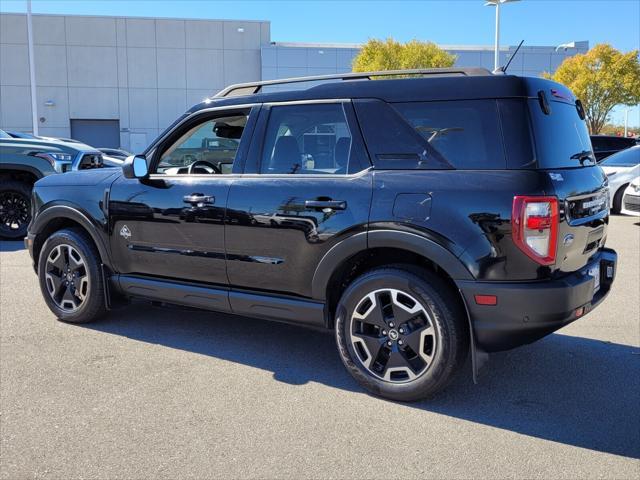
(470, 215)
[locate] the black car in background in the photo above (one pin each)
(420, 219)
(605, 145)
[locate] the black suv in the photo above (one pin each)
(420, 218)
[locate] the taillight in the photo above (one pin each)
(534, 226)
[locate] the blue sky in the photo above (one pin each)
(538, 22)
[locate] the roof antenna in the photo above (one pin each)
(503, 70)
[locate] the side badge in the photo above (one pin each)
(125, 232)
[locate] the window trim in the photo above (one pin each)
(201, 117)
(256, 151)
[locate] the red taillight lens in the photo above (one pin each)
(534, 225)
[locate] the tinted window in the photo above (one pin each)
(466, 133)
(306, 139)
(208, 147)
(625, 158)
(561, 138)
(516, 131)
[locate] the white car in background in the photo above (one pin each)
(621, 169)
(631, 199)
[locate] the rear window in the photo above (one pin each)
(465, 132)
(561, 137)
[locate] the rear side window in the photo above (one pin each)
(561, 137)
(465, 133)
(307, 139)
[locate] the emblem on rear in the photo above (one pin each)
(568, 239)
(557, 177)
(125, 232)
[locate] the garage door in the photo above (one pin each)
(97, 133)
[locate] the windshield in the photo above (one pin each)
(625, 158)
(561, 137)
(4, 134)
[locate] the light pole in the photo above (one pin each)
(496, 51)
(32, 71)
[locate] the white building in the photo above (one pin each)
(119, 81)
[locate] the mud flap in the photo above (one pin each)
(479, 357)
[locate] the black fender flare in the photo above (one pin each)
(359, 242)
(22, 168)
(75, 213)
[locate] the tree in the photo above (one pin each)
(601, 78)
(391, 55)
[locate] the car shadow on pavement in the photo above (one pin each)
(571, 390)
(11, 245)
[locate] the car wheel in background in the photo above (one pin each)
(15, 209)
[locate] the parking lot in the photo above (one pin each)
(167, 393)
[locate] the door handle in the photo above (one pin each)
(199, 198)
(332, 204)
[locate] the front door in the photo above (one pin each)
(171, 224)
(307, 185)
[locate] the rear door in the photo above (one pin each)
(171, 224)
(307, 185)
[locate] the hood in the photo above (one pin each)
(80, 178)
(35, 144)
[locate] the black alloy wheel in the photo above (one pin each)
(15, 210)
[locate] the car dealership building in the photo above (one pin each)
(119, 81)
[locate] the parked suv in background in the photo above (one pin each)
(23, 161)
(419, 218)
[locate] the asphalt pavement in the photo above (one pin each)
(170, 393)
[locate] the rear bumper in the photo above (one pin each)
(528, 311)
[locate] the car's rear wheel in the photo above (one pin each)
(70, 277)
(15, 209)
(401, 333)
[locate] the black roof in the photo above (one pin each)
(426, 88)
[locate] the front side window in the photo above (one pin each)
(209, 147)
(306, 139)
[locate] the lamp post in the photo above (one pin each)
(496, 51)
(32, 71)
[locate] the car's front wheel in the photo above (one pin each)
(70, 277)
(401, 333)
(15, 209)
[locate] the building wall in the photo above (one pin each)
(285, 60)
(142, 72)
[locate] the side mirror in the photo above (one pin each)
(135, 166)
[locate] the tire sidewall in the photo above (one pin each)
(437, 373)
(93, 301)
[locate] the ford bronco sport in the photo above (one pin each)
(420, 218)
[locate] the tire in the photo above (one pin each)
(70, 256)
(15, 209)
(435, 333)
(617, 199)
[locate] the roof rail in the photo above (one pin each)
(255, 87)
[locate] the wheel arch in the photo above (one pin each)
(57, 217)
(361, 243)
